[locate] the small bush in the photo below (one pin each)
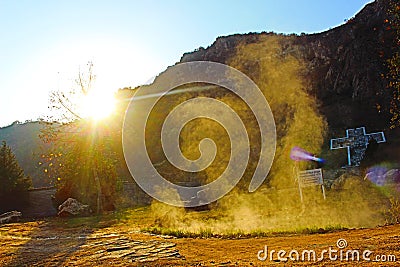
(393, 212)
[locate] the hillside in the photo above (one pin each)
(343, 66)
(23, 138)
(342, 71)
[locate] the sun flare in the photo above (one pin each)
(97, 106)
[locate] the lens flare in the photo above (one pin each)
(299, 154)
(376, 174)
(384, 176)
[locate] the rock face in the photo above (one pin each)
(72, 207)
(344, 65)
(12, 216)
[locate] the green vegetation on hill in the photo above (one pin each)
(14, 183)
(393, 63)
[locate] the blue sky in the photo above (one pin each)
(43, 43)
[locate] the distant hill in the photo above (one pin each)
(23, 138)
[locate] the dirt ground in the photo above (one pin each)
(94, 242)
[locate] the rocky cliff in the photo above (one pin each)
(345, 66)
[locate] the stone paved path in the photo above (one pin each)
(92, 249)
(131, 250)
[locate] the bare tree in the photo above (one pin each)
(66, 125)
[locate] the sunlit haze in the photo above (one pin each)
(44, 43)
(97, 106)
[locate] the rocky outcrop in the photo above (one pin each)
(222, 49)
(72, 207)
(12, 216)
(344, 65)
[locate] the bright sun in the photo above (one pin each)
(97, 106)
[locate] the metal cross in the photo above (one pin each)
(356, 142)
